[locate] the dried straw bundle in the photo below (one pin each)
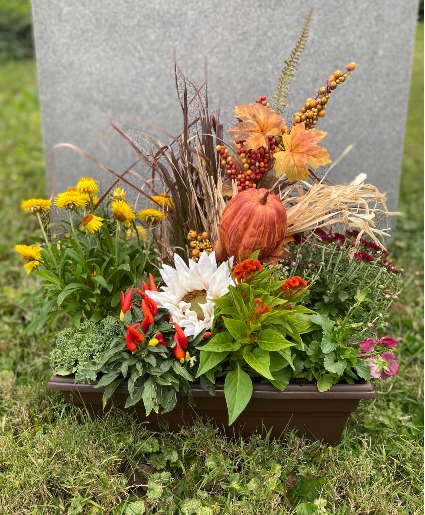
(354, 205)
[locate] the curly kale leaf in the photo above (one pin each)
(78, 348)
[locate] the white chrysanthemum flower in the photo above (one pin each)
(189, 289)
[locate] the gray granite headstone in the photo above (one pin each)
(113, 59)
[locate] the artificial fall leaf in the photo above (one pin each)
(257, 123)
(301, 149)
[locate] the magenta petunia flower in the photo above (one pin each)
(383, 367)
(368, 345)
(388, 342)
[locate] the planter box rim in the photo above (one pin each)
(293, 391)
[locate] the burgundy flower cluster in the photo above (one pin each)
(368, 251)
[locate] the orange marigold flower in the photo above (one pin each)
(244, 271)
(294, 284)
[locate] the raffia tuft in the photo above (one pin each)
(355, 205)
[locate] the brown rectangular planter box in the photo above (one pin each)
(315, 415)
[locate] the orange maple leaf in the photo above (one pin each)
(258, 122)
(300, 149)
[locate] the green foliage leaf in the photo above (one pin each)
(109, 391)
(363, 369)
(181, 371)
(149, 396)
(336, 367)
(208, 360)
(277, 362)
(281, 378)
(167, 398)
(258, 359)
(135, 398)
(238, 329)
(107, 379)
(237, 392)
(70, 288)
(287, 355)
(221, 342)
(324, 383)
(322, 320)
(271, 340)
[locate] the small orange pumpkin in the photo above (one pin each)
(253, 220)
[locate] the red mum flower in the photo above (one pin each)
(245, 270)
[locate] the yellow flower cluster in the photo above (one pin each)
(164, 200)
(36, 205)
(72, 200)
(91, 223)
(122, 212)
(31, 254)
(151, 216)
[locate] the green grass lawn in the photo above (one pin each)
(55, 459)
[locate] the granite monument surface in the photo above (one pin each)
(113, 59)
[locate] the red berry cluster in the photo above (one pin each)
(248, 170)
(262, 100)
(250, 165)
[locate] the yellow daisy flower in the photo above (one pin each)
(131, 233)
(29, 267)
(119, 194)
(164, 200)
(122, 212)
(87, 185)
(29, 252)
(71, 200)
(91, 223)
(36, 205)
(152, 216)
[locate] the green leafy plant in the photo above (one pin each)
(337, 271)
(87, 257)
(255, 334)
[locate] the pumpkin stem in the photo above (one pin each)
(263, 200)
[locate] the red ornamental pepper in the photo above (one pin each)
(148, 320)
(145, 286)
(125, 302)
(180, 337)
(207, 334)
(160, 339)
(150, 302)
(179, 353)
(133, 337)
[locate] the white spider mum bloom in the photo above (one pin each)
(189, 289)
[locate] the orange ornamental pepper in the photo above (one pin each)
(152, 285)
(207, 334)
(179, 353)
(125, 302)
